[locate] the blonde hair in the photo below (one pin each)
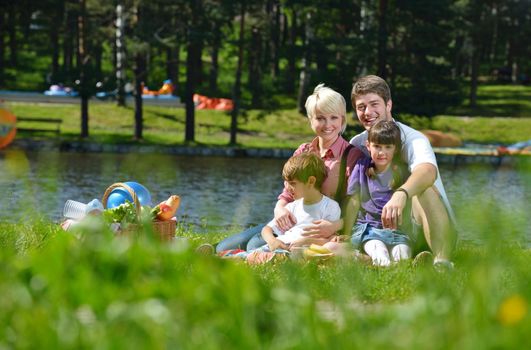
(326, 101)
(301, 166)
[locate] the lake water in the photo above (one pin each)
(227, 191)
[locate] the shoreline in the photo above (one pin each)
(445, 155)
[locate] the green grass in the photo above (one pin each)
(109, 123)
(487, 130)
(498, 101)
(257, 128)
(503, 115)
(87, 289)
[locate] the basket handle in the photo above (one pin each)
(128, 189)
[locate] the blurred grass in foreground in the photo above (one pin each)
(88, 289)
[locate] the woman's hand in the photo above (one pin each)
(284, 219)
(320, 229)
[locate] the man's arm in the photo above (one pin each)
(422, 177)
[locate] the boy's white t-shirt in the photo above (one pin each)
(305, 214)
(416, 149)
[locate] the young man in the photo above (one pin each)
(371, 99)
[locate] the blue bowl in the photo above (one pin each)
(120, 195)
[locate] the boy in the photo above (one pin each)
(304, 175)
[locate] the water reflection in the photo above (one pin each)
(219, 191)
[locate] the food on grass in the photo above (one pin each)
(308, 253)
(319, 249)
(167, 209)
(125, 212)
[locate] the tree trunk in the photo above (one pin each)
(458, 59)
(275, 39)
(120, 57)
(382, 39)
(255, 52)
(2, 49)
(237, 85)
(494, 41)
(81, 53)
(474, 76)
(55, 28)
(171, 65)
(284, 25)
(214, 68)
(68, 48)
(54, 38)
(292, 65)
(191, 80)
(365, 18)
(304, 78)
(177, 65)
(140, 75)
(199, 76)
(193, 58)
(511, 57)
(12, 31)
(84, 116)
(98, 57)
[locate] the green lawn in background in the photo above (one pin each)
(498, 101)
(504, 117)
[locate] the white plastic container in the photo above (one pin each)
(74, 210)
(94, 207)
(77, 210)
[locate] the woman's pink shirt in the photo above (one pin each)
(332, 160)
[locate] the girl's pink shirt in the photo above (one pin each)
(332, 160)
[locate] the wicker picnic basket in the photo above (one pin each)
(164, 229)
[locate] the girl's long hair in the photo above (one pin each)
(388, 133)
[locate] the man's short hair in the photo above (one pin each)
(370, 84)
(301, 166)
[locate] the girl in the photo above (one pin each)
(371, 185)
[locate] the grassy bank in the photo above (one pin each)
(90, 290)
(499, 118)
(498, 101)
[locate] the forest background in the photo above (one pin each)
(266, 54)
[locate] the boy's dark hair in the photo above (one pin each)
(388, 133)
(301, 166)
(370, 84)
